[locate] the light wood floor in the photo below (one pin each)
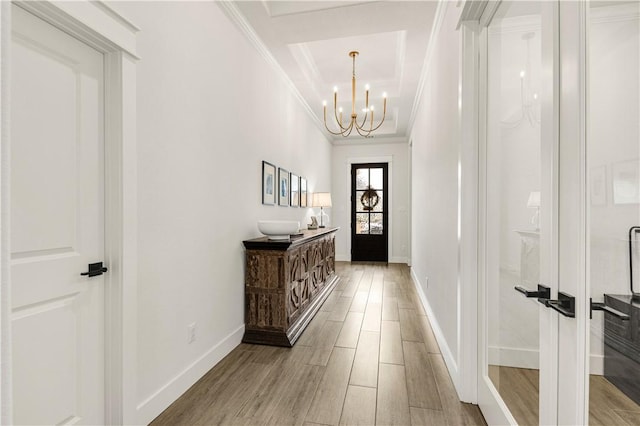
(368, 357)
(608, 406)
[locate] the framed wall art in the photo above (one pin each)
(303, 192)
(283, 187)
(295, 190)
(268, 184)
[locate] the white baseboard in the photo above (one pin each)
(514, 357)
(155, 404)
(343, 258)
(530, 358)
(449, 360)
(398, 259)
(347, 258)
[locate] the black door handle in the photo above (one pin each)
(543, 293)
(566, 304)
(601, 306)
(95, 269)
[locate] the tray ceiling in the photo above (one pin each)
(311, 40)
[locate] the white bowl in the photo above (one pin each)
(278, 229)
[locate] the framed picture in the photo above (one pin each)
(283, 187)
(626, 182)
(303, 192)
(295, 190)
(268, 184)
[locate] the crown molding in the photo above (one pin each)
(232, 12)
(426, 67)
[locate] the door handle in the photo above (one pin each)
(543, 293)
(566, 304)
(601, 306)
(95, 269)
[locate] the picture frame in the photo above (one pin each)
(283, 187)
(295, 191)
(303, 192)
(268, 184)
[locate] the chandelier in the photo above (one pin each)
(362, 128)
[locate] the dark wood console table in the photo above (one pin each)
(286, 283)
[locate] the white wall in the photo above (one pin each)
(342, 158)
(210, 109)
(434, 199)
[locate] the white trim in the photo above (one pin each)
(6, 402)
(448, 357)
(514, 357)
(398, 259)
(156, 403)
(232, 12)
(101, 28)
(360, 160)
(530, 358)
(468, 214)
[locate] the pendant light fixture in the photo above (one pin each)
(363, 128)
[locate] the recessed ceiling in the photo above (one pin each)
(311, 41)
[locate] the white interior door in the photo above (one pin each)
(57, 225)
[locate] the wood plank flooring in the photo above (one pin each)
(368, 357)
(519, 388)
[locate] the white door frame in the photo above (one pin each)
(100, 27)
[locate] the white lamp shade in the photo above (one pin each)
(534, 200)
(321, 199)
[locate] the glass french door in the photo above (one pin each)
(560, 241)
(531, 363)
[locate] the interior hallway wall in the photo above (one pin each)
(210, 110)
(396, 154)
(435, 140)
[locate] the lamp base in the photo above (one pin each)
(321, 226)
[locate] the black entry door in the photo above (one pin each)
(369, 212)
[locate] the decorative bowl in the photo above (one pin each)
(278, 229)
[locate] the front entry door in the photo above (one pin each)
(369, 212)
(57, 225)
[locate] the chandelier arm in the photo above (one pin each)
(364, 121)
(331, 131)
(384, 115)
(335, 114)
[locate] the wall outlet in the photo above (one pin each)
(191, 332)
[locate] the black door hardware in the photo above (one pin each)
(600, 306)
(566, 304)
(543, 293)
(95, 269)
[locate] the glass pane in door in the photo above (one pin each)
(613, 205)
(513, 206)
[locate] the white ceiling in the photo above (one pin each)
(311, 41)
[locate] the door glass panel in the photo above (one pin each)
(362, 223)
(513, 206)
(362, 178)
(613, 188)
(377, 205)
(376, 179)
(375, 225)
